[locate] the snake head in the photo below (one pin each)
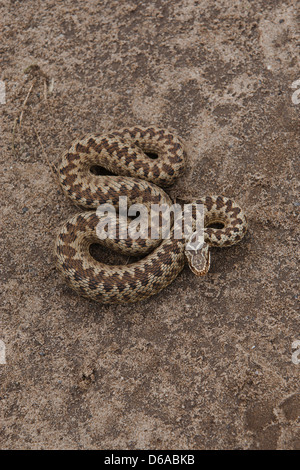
(198, 255)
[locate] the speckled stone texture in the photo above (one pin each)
(207, 363)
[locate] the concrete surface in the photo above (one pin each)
(206, 364)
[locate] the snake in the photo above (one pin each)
(139, 163)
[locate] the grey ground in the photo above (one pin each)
(206, 364)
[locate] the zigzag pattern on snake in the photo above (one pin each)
(142, 160)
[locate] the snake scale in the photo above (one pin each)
(141, 161)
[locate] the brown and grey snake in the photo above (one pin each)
(142, 160)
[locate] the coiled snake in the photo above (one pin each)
(142, 161)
